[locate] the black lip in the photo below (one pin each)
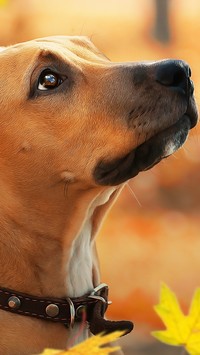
(144, 156)
(192, 111)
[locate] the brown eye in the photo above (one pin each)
(49, 80)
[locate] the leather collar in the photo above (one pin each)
(65, 310)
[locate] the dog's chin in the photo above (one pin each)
(145, 156)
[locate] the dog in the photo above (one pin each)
(75, 127)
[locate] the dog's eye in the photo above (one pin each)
(49, 80)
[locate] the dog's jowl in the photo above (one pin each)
(74, 127)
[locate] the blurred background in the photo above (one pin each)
(152, 233)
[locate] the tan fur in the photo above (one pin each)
(49, 147)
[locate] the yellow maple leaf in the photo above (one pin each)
(181, 330)
(91, 346)
(3, 2)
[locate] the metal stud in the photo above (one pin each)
(14, 302)
(52, 310)
(80, 311)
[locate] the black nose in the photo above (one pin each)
(174, 74)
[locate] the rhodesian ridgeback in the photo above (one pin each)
(75, 128)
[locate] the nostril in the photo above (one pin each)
(174, 74)
(178, 78)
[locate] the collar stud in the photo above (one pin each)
(52, 310)
(14, 302)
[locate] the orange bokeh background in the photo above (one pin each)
(152, 233)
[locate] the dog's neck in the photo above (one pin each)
(82, 273)
(54, 257)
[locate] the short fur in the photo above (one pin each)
(51, 207)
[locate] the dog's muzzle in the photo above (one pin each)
(67, 310)
(173, 79)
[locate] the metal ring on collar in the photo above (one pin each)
(72, 312)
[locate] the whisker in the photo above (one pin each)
(186, 150)
(175, 156)
(194, 136)
(133, 194)
(154, 171)
(82, 29)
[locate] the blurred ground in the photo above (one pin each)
(156, 239)
(148, 348)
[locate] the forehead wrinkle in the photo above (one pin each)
(72, 49)
(64, 53)
(40, 46)
(78, 49)
(61, 53)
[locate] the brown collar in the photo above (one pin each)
(65, 310)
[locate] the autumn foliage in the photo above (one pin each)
(182, 330)
(91, 346)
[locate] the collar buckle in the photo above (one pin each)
(97, 294)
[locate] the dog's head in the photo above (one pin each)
(68, 114)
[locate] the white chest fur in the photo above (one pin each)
(79, 278)
(80, 264)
